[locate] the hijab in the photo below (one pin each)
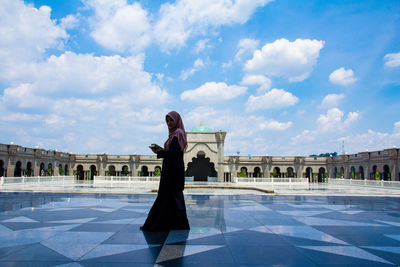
(178, 131)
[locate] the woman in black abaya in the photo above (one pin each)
(169, 210)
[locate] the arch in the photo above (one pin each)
(111, 170)
(201, 154)
(375, 175)
(341, 172)
(93, 171)
(290, 172)
(79, 172)
(257, 172)
(60, 169)
(2, 168)
(361, 172)
(157, 171)
(276, 172)
(28, 171)
(144, 171)
(335, 173)
(125, 170)
(42, 171)
(18, 169)
(50, 169)
(243, 172)
(386, 173)
(66, 169)
(352, 172)
(321, 174)
(200, 168)
(309, 173)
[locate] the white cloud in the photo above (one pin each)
(202, 45)
(185, 18)
(300, 112)
(315, 142)
(69, 22)
(397, 127)
(145, 115)
(333, 120)
(52, 119)
(274, 99)
(282, 58)
(318, 141)
(23, 96)
(274, 125)
(226, 65)
(262, 81)
(246, 46)
(197, 65)
(119, 26)
(20, 117)
(305, 136)
(392, 60)
(212, 91)
(331, 101)
(26, 33)
(342, 77)
(160, 76)
(352, 117)
(87, 97)
(372, 140)
(88, 76)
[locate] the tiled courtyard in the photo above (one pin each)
(66, 229)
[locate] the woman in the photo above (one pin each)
(169, 211)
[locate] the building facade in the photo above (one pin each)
(205, 161)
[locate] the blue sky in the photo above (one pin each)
(281, 77)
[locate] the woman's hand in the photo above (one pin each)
(155, 148)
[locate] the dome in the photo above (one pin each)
(201, 128)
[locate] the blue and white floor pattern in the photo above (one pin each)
(48, 229)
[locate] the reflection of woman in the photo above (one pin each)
(169, 211)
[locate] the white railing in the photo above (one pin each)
(124, 179)
(369, 183)
(271, 180)
(102, 180)
(36, 179)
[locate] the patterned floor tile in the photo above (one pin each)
(20, 219)
(395, 237)
(75, 244)
(201, 256)
(305, 232)
(112, 249)
(349, 251)
(30, 253)
(134, 257)
(390, 223)
(284, 255)
(226, 230)
(84, 220)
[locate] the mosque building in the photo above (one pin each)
(205, 161)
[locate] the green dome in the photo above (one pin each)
(201, 128)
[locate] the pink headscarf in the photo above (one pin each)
(178, 131)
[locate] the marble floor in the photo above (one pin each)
(67, 229)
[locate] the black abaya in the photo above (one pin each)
(169, 210)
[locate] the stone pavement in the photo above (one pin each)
(82, 229)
